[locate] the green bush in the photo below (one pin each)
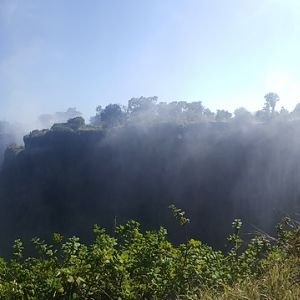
(144, 265)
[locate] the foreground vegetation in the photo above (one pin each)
(137, 265)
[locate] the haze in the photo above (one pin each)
(59, 54)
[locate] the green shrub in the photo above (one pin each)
(144, 265)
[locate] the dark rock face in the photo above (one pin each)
(67, 179)
(5, 140)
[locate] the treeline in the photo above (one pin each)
(149, 109)
(47, 120)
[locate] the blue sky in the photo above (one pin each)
(56, 54)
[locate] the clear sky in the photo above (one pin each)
(56, 54)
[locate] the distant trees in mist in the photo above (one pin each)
(47, 120)
(149, 109)
(268, 111)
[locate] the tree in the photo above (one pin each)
(99, 109)
(263, 115)
(47, 120)
(271, 99)
(96, 120)
(70, 113)
(208, 114)
(267, 112)
(242, 114)
(283, 115)
(141, 104)
(112, 115)
(76, 123)
(194, 111)
(176, 110)
(143, 109)
(223, 115)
